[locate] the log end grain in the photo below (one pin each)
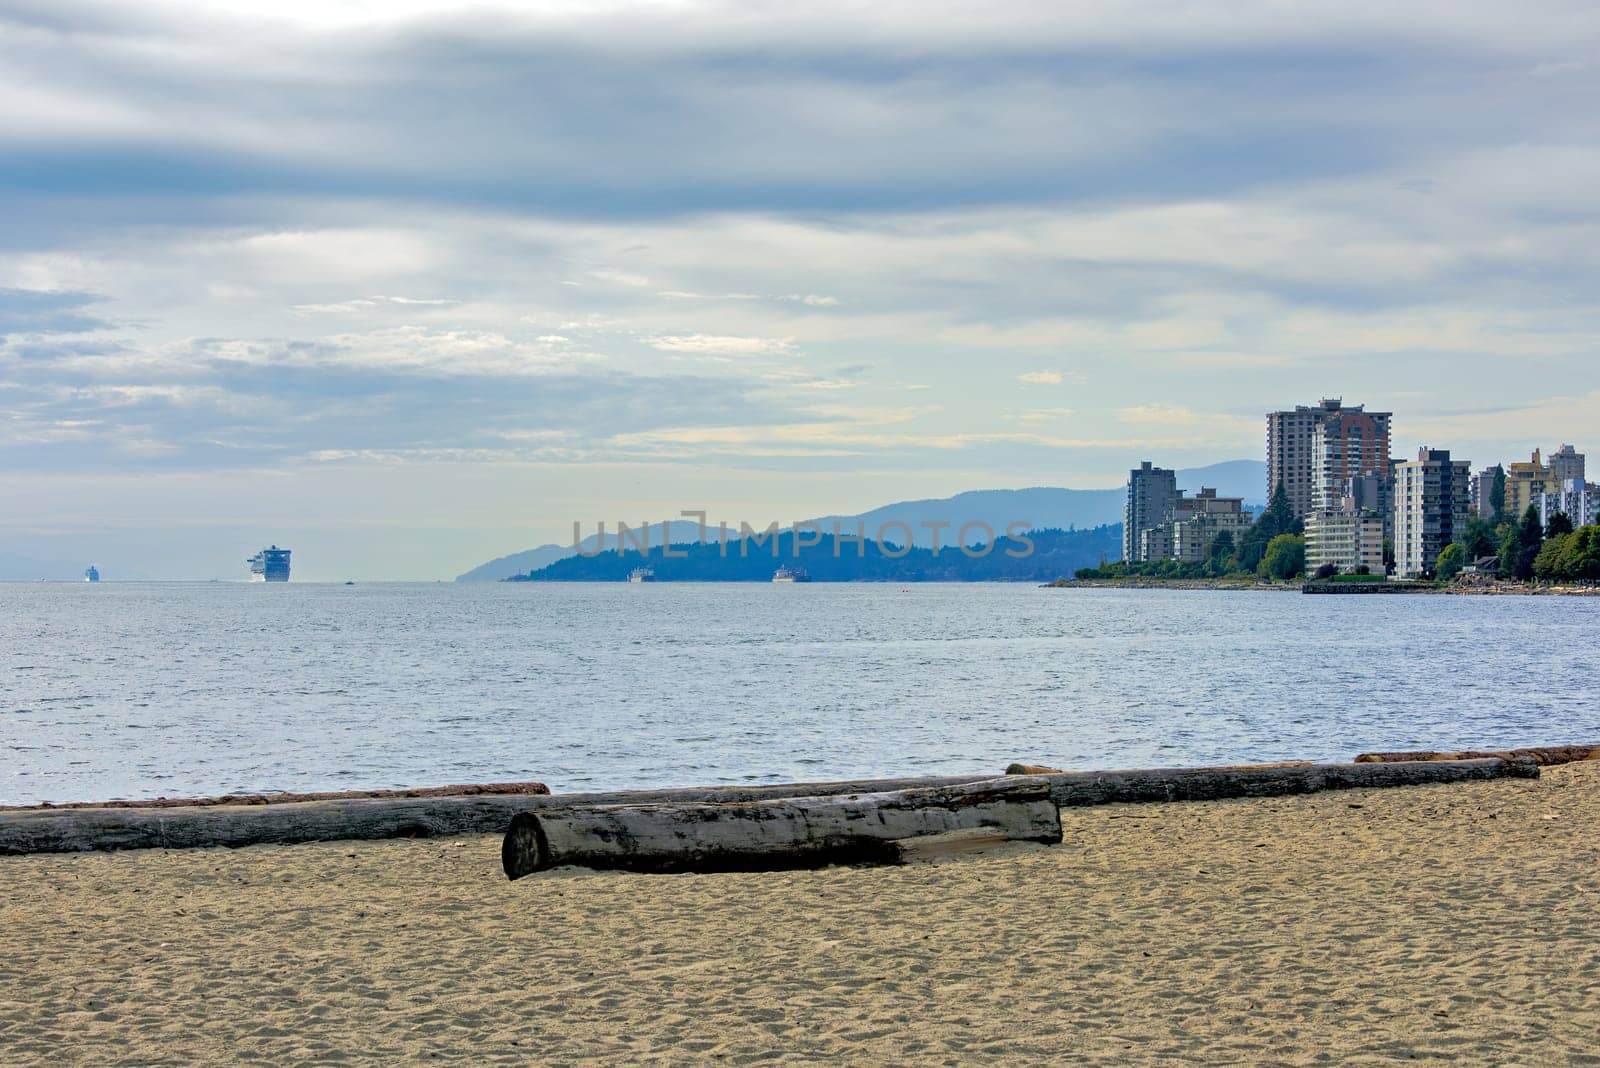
(525, 849)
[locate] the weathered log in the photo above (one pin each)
(1544, 755)
(799, 832)
(64, 829)
(516, 789)
(1040, 769)
(1082, 788)
(75, 830)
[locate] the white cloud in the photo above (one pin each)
(719, 345)
(1041, 378)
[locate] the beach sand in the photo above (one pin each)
(1363, 927)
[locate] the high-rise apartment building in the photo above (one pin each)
(1576, 499)
(1313, 452)
(1152, 493)
(1525, 482)
(1480, 492)
(1347, 540)
(1199, 519)
(1430, 508)
(1566, 465)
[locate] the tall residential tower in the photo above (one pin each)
(1430, 508)
(1313, 453)
(1152, 493)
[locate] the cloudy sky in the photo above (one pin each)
(407, 286)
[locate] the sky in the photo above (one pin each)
(407, 285)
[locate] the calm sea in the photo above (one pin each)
(130, 690)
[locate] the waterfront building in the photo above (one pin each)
(1348, 539)
(1430, 508)
(1199, 519)
(1155, 543)
(1576, 499)
(1152, 494)
(1311, 452)
(1525, 481)
(1480, 492)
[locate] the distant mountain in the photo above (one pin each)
(1035, 556)
(504, 567)
(1036, 507)
(1231, 478)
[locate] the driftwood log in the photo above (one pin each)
(1544, 755)
(1081, 788)
(72, 830)
(1041, 769)
(518, 789)
(799, 832)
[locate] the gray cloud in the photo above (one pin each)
(651, 114)
(32, 312)
(830, 238)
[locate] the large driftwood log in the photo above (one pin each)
(78, 830)
(1081, 788)
(518, 789)
(1545, 755)
(800, 832)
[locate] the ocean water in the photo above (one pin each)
(139, 690)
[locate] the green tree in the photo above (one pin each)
(1222, 548)
(1581, 560)
(1478, 538)
(1452, 558)
(1497, 493)
(1551, 563)
(1530, 531)
(1559, 524)
(1285, 557)
(1277, 519)
(1521, 547)
(1510, 550)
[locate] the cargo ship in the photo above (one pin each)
(91, 574)
(270, 565)
(791, 574)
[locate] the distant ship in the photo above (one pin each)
(791, 574)
(641, 574)
(91, 574)
(270, 565)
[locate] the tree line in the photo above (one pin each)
(1528, 549)
(1036, 556)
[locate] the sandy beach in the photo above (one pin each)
(1363, 927)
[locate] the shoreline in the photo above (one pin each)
(1246, 585)
(1450, 923)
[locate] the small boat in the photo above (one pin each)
(791, 574)
(642, 574)
(91, 574)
